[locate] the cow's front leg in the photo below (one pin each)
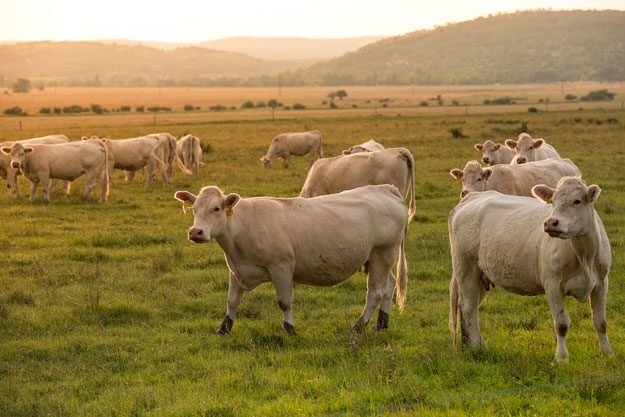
(598, 298)
(283, 283)
(33, 189)
(288, 161)
(235, 293)
(385, 304)
(561, 322)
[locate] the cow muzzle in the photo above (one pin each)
(521, 160)
(197, 235)
(15, 164)
(464, 193)
(551, 227)
(486, 160)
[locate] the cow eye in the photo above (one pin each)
(216, 209)
(576, 202)
(479, 179)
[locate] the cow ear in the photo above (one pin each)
(593, 193)
(538, 143)
(231, 200)
(511, 143)
(28, 149)
(6, 150)
(346, 152)
(487, 173)
(543, 192)
(185, 196)
(83, 138)
(478, 146)
(456, 173)
(497, 146)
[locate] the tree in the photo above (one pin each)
(341, 93)
(273, 104)
(22, 85)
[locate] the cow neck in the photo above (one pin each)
(228, 239)
(585, 247)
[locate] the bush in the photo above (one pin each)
(189, 107)
(570, 97)
(73, 109)
(15, 111)
(323, 103)
(532, 110)
(287, 107)
(57, 110)
(22, 85)
(125, 108)
(455, 103)
(456, 132)
(599, 95)
(206, 147)
(299, 106)
(247, 105)
(45, 110)
(217, 107)
(140, 109)
(158, 108)
(354, 106)
(97, 109)
(423, 103)
(499, 101)
(261, 104)
(333, 106)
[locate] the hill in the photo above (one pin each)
(290, 48)
(532, 46)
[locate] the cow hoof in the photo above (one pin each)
(225, 327)
(359, 326)
(289, 328)
(382, 322)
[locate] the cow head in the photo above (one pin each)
(473, 177)
(525, 148)
(489, 152)
(572, 210)
(211, 209)
(17, 152)
(266, 162)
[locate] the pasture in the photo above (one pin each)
(107, 309)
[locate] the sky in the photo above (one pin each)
(191, 21)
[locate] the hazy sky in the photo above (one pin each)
(196, 20)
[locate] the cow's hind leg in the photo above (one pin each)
(380, 263)
(597, 303)
(385, 304)
(471, 292)
(89, 183)
(235, 294)
(561, 321)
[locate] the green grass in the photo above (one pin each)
(107, 309)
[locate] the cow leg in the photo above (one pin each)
(235, 294)
(12, 182)
(561, 322)
(103, 183)
(283, 283)
(149, 177)
(67, 186)
(288, 161)
(385, 304)
(89, 183)
(471, 289)
(33, 189)
(45, 184)
(380, 264)
(598, 298)
(130, 175)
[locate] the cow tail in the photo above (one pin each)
(104, 174)
(402, 273)
(159, 162)
(454, 294)
(410, 162)
(320, 145)
(181, 165)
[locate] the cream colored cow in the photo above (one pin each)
(298, 144)
(368, 146)
(513, 179)
(528, 149)
(316, 241)
(554, 244)
(189, 151)
(494, 153)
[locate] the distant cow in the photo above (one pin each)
(316, 241)
(298, 144)
(65, 161)
(528, 247)
(513, 179)
(528, 149)
(167, 153)
(345, 172)
(368, 146)
(189, 151)
(9, 173)
(494, 153)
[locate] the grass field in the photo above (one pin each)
(107, 309)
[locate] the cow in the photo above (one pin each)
(167, 153)
(65, 161)
(368, 146)
(554, 244)
(9, 173)
(513, 179)
(528, 149)
(494, 153)
(316, 241)
(344, 172)
(188, 150)
(298, 144)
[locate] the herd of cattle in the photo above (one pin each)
(525, 223)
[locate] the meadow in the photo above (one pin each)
(107, 309)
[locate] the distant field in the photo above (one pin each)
(107, 309)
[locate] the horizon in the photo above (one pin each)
(73, 19)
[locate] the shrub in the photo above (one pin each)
(570, 97)
(456, 132)
(599, 95)
(261, 104)
(206, 147)
(217, 107)
(323, 103)
(423, 103)
(287, 107)
(384, 104)
(247, 105)
(97, 109)
(532, 110)
(333, 106)
(57, 110)
(125, 108)
(22, 85)
(299, 106)
(15, 111)
(189, 107)
(499, 101)
(45, 110)
(73, 109)
(455, 103)
(354, 106)
(140, 109)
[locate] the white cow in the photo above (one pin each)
(528, 247)
(368, 146)
(494, 153)
(316, 241)
(528, 149)
(166, 153)
(65, 161)
(345, 172)
(189, 151)
(513, 179)
(298, 144)
(9, 173)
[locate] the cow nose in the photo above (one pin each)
(486, 160)
(15, 164)
(521, 160)
(551, 223)
(195, 233)
(463, 193)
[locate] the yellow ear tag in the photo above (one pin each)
(229, 212)
(186, 205)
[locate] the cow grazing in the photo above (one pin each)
(368, 146)
(494, 153)
(513, 179)
(298, 144)
(528, 149)
(528, 247)
(317, 241)
(9, 173)
(65, 161)
(345, 172)
(189, 151)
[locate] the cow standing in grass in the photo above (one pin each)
(189, 151)
(528, 247)
(298, 144)
(316, 241)
(529, 150)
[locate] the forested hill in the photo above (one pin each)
(533, 46)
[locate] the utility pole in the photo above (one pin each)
(279, 85)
